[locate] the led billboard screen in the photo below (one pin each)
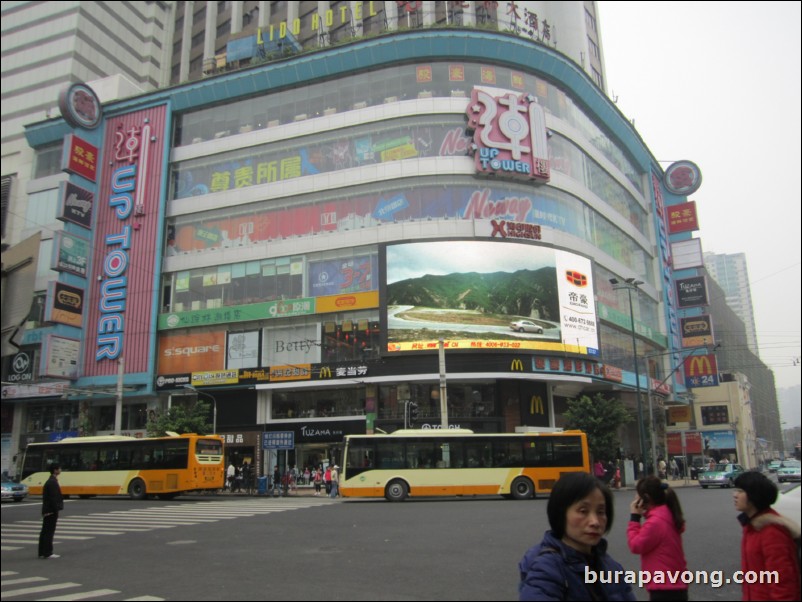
(488, 295)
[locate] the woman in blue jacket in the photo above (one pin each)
(572, 558)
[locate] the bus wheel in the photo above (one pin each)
(137, 489)
(522, 489)
(396, 491)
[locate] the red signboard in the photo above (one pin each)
(682, 218)
(701, 371)
(80, 157)
(693, 443)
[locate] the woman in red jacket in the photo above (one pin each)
(767, 543)
(659, 539)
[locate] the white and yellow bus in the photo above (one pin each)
(459, 462)
(164, 466)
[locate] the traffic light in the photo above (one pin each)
(413, 412)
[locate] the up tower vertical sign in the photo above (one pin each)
(128, 218)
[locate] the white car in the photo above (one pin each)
(526, 326)
(789, 503)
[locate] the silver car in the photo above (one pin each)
(526, 326)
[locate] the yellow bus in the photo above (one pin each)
(459, 462)
(163, 466)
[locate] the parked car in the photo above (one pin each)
(722, 475)
(774, 465)
(789, 471)
(14, 491)
(526, 326)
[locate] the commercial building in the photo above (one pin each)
(292, 235)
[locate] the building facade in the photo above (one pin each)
(290, 239)
(729, 270)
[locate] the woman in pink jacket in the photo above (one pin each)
(659, 540)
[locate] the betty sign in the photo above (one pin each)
(509, 135)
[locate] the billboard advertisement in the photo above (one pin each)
(243, 350)
(696, 331)
(701, 371)
(691, 292)
(197, 352)
(488, 295)
(65, 304)
(291, 346)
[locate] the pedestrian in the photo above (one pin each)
(231, 474)
(327, 479)
(768, 540)
(661, 464)
(52, 504)
(318, 479)
(276, 478)
(335, 481)
(571, 562)
(599, 470)
(674, 469)
(659, 540)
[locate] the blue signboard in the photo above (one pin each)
(278, 440)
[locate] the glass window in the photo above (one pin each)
(389, 454)
(47, 161)
(422, 453)
(478, 453)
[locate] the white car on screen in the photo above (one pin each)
(526, 326)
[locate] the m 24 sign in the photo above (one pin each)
(701, 371)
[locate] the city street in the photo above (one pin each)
(240, 548)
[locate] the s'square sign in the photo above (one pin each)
(509, 135)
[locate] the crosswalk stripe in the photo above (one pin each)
(81, 595)
(25, 591)
(144, 599)
(71, 530)
(9, 548)
(22, 580)
(21, 540)
(8, 573)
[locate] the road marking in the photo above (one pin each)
(22, 580)
(25, 591)
(81, 595)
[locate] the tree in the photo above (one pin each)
(599, 418)
(182, 418)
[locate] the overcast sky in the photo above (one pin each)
(719, 84)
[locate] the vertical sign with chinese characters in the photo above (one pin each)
(80, 157)
(121, 301)
(509, 135)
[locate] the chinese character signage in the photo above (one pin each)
(509, 135)
(683, 178)
(423, 74)
(278, 440)
(696, 331)
(80, 157)
(682, 218)
(65, 304)
(80, 106)
(70, 253)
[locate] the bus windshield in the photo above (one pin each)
(459, 463)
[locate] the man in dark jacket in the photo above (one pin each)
(52, 504)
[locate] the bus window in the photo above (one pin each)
(88, 459)
(209, 446)
(176, 455)
(478, 454)
(507, 452)
(389, 454)
(568, 452)
(450, 455)
(422, 453)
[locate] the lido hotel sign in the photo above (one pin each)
(509, 135)
(124, 259)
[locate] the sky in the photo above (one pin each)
(718, 83)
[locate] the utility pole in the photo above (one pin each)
(118, 410)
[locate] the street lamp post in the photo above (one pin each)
(214, 405)
(629, 285)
